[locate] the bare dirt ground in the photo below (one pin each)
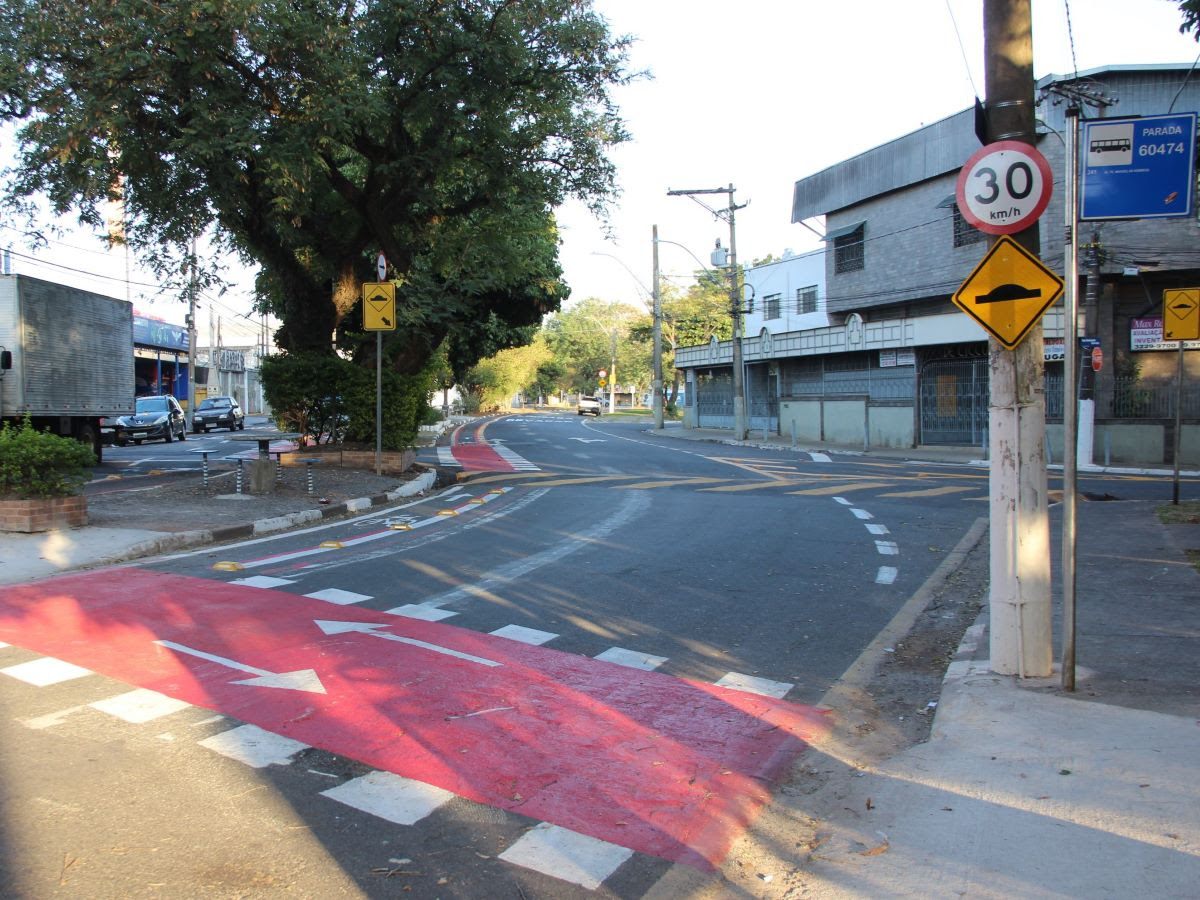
(181, 502)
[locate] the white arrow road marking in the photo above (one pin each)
(332, 627)
(300, 680)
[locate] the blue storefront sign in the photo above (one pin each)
(156, 333)
(1141, 168)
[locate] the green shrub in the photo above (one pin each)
(332, 400)
(40, 464)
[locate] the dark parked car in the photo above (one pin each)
(218, 412)
(153, 419)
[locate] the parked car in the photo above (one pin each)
(218, 412)
(154, 418)
(108, 429)
(589, 406)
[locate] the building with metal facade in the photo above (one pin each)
(896, 364)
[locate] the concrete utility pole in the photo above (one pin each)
(656, 403)
(735, 304)
(1019, 601)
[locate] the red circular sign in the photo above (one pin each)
(1004, 187)
(1097, 359)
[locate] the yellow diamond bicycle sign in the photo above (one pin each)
(1008, 292)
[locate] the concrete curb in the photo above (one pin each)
(185, 540)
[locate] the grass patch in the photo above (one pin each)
(1185, 513)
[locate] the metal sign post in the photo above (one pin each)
(379, 315)
(1070, 401)
(1181, 322)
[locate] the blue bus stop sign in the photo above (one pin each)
(1141, 168)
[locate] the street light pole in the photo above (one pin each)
(656, 403)
(735, 303)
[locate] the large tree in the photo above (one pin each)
(310, 135)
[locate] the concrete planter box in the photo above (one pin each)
(43, 513)
(393, 462)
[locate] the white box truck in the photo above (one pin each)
(66, 357)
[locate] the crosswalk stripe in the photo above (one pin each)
(842, 488)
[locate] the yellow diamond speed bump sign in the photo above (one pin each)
(1008, 292)
(1181, 314)
(379, 306)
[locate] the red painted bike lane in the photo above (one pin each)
(657, 764)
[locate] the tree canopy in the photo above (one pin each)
(310, 136)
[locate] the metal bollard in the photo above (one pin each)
(279, 468)
(239, 476)
(204, 467)
(308, 464)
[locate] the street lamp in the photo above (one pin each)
(735, 302)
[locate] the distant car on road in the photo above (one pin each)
(218, 412)
(589, 406)
(154, 418)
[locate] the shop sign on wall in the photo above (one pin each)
(1147, 334)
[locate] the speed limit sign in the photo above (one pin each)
(1004, 187)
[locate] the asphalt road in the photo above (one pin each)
(578, 666)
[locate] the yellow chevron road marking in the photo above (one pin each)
(594, 479)
(929, 492)
(753, 486)
(509, 476)
(842, 488)
(647, 485)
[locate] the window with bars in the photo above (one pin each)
(806, 300)
(771, 306)
(965, 233)
(849, 251)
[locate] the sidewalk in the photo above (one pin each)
(169, 518)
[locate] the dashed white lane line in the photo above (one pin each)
(755, 685)
(843, 501)
(390, 797)
(262, 581)
(861, 514)
(426, 612)
(254, 746)
(140, 706)
(45, 671)
(819, 457)
(525, 635)
(631, 658)
(878, 529)
(338, 596)
(886, 575)
(887, 548)
(566, 855)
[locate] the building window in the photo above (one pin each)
(965, 233)
(806, 300)
(848, 255)
(771, 306)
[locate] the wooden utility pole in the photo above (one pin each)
(1019, 600)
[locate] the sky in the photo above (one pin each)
(754, 93)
